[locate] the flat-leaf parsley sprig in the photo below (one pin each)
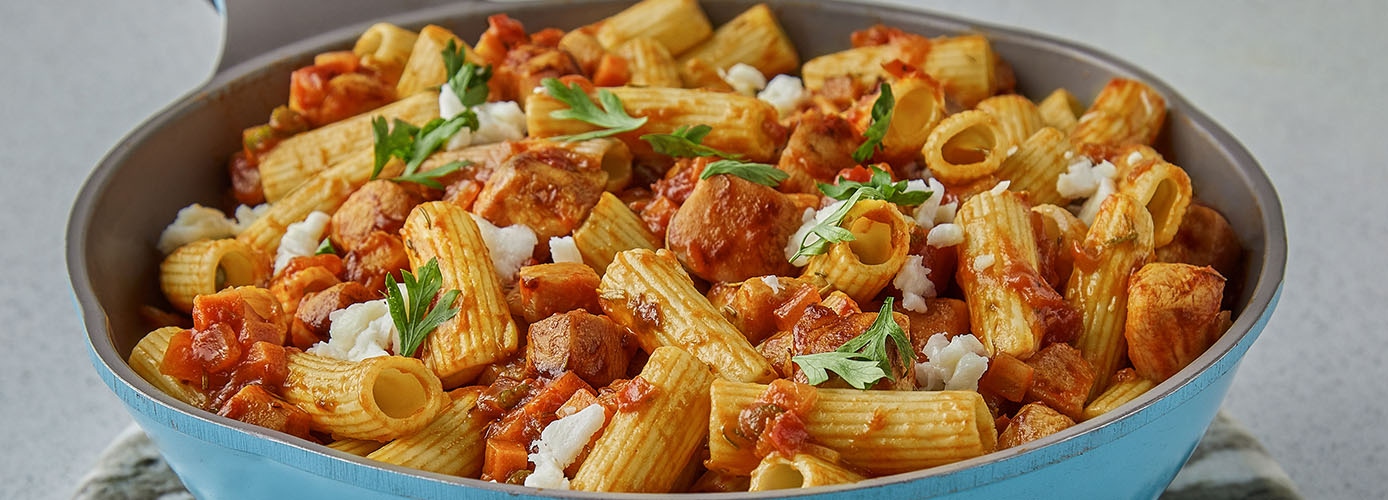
(759, 173)
(686, 142)
(862, 360)
(826, 230)
(612, 116)
(413, 145)
(882, 110)
(468, 81)
(878, 187)
(411, 310)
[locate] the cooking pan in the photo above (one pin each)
(178, 157)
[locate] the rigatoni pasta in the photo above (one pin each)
(690, 356)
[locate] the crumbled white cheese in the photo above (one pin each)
(929, 212)
(1134, 157)
(496, 122)
(785, 93)
(560, 443)
(301, 238)
(449, 104)
(509, 246)
(563, 249)
(1090, 210)
(359, 331)
(945, 215)
(951, 364)
(945, 235)
(984, 261)
(1001, 187)
(808, 220)
(1012, 150)
(914, 282)
(196, 222)
(744, 78)
(1082, 178)
(772, 281)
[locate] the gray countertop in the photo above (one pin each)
(1303, 87)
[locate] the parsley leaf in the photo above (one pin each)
(467, 80)
(759, 173)
(411, 311)
(325, 247)
(827, 231)
(881, 120)
(862, 360)
(413, 145)
(686, 142)
(879, 187)
(612, 115)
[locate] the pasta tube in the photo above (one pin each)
(145, 359)
(649, 293)
(754, 38)
(1036, 164)
(648, 443)
(1165, 190)
(965, 66)
(998, 242)
(384, 48)
(1017, 116)
(804, 470)
(482, 332)
(1125, 112)
(1127, 385)
(650, 63)
(379, 398)
(298, 159)
(862, 267)
(611, 228)
(1061, 110)
(453, 443)
(676, 24)
(1117, 244)
(965, 146)
(206, 266)
(358, 447)
(881, 432)
(424, 68)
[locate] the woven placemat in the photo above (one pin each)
(1228, 464)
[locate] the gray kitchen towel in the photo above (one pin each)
(1228, 464)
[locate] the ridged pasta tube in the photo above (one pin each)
(379, 398)
(206, 266)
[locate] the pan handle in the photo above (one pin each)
(253, 27)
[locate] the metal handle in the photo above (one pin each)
(253, 27)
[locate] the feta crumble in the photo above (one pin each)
(563, 249)
(772, 281)
(984, 261)
(196, 222)
(560, 443)
(914, 282)
(1001, 187)
(508, 246)
(786, 93)
(945, 235)
(1084, 179)
(359, 331)
(496, 122)
(301, 239)
(931, 211)
(951, 364)
(1134, 157)
(744, 78)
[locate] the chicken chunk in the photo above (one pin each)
(731, 229)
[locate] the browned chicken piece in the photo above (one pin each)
(1205, 238)
(1173, 317)
(778, 349)
(821, 145)
(311, 321)
(822, 330)
(577, 341)
(1034, 421)
(751, 305)
(942, 315)
(529, 64)
(1062, 379)
(550, 190)
(380, 254)
(544, 290)
(379, 205)
(731, 229)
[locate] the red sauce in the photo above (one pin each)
(635, 394)
(776, 419)
(1059, 318)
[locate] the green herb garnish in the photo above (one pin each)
(881, 120)
(827, 231)
(862, 360)
(325, 247)
(686, 142)
(411, 310)
(468, 81)
(759, 173)
(413, 145)
(612, 116)
(879, 187)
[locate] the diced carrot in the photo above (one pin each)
(503, 458)
(612, 71)
(1007, 377)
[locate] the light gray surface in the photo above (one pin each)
(1303, 87)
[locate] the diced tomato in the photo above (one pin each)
(217, 348)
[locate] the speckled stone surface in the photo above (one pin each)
(1302, 84)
